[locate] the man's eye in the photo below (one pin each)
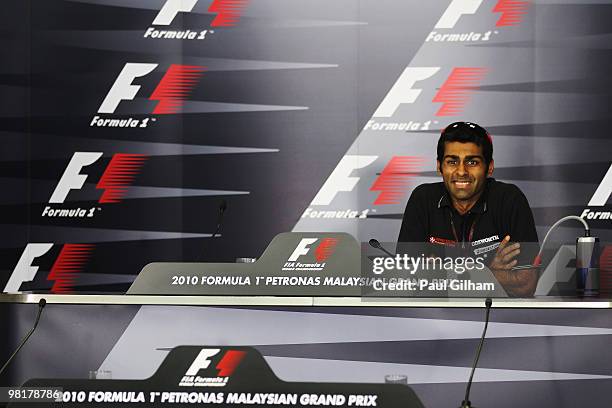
(451, 162)
(472, 162)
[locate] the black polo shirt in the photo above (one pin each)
(501, 210)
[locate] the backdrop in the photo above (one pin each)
(125, 123)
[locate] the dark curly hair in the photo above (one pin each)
(467, 132)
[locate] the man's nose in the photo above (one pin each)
(461, 170)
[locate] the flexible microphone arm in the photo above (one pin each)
(587, 233)
(41, 305)
(466, 401)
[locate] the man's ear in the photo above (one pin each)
(491, 167)
(438, 169)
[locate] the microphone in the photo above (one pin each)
(466, 401)
(222, 208)
(375, 244)
(41, 304)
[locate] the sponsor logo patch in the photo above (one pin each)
(442, 241)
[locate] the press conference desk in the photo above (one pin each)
(534, 303)
(541, 352)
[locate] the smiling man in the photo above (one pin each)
(471, 210)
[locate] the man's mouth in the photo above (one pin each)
(461, 183)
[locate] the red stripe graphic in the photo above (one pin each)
(395, 179)
(229, 12)
(605, 269)
(455, 92)
(325, 249)
(119, 175)
(229, 362)
(512, 12)
(175, 87)
(442, 241)
(69, 263)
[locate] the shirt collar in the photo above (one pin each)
(479, 208)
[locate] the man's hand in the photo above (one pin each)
(506, 252)
(517, 283)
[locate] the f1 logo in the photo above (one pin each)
(228, 11)
(171, 92)
(117, 177)
(603, 192)
(24, 270)
(72, 179)
(392, 181)
(323, 251)
(202, 361)
(512, 12)
(340, 179)
(171, 8)
(455, 10)
(69, 263)
(226, 366)
(403, 90)
(454, 93)
(302, 249)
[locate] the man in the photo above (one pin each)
(471, 210)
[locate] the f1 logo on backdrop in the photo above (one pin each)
(316, 262)
(114, 183)
(392, 184)
(217, 377)
(64, 272)
(172, 91)
(453, 94)
(511, 13)
(600, 199)
(228, 13)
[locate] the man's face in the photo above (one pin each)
(464, 170)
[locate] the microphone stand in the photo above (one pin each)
(466, 401)
(222, 208)
(41, 305)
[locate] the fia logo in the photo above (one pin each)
(322, 252)
(225, 368)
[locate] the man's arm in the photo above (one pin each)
(520, 283)
(521, 227)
